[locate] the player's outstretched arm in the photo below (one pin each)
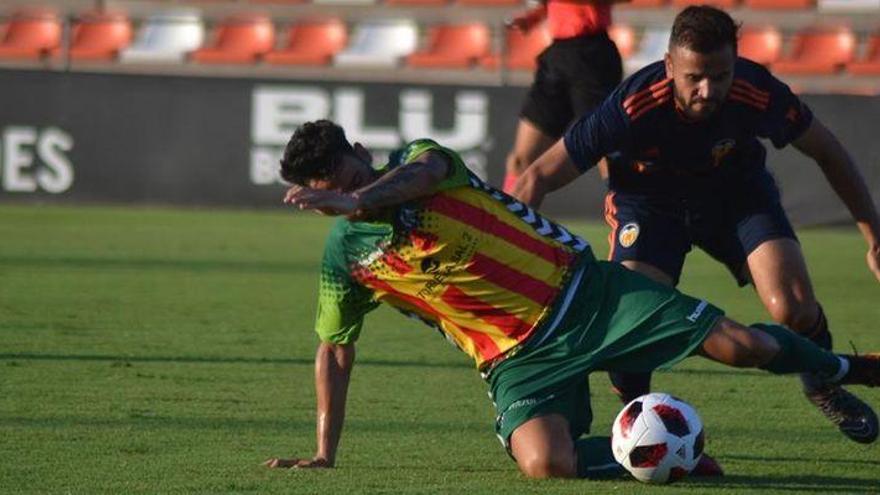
(415, 179)
(333, 364)
(551, 171)
(821, 145)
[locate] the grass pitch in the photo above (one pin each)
(170, 351)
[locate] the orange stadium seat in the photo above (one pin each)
(491, 3)
(644, 3)
(311, 43)
(521, 49)
(31, 34)
(625, 39)
(716, 3)
(240, 39)
(818, 52)
(762, 45)
(453, 46)
(100, 36)
(416, 3)
(780, 4)
(870, 64)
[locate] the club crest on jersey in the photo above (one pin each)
(628, 234)
(722, 149)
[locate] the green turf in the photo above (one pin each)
(170, 351)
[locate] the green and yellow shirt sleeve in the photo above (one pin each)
(458, 173)
(342, 301)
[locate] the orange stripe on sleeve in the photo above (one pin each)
(650, 89)
(751, 87)
(639, 105)
(748, 100)
(650, 107)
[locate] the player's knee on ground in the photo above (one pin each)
(543, 448)
(554, 464)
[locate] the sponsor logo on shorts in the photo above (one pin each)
(527, 402)
(628, 234)
(693, 317)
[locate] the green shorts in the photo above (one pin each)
(617, 320)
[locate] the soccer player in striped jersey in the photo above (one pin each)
(521, 295)
(688, 169)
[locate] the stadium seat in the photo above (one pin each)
(818, 52)
(870, 64)
(725, 4)
(416, 3)
(31, 33)
(379, 43)
(624, 37)
(762, 45)
(310, 43)
(241, 39)
(644, 3)
(165, 37)
(453, 46)
(492, 3)
(853, 6)
(520, 49)
(652, 47)
(345, 2)
(100, 36)
(780, 4)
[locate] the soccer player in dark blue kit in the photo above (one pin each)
(688, 169)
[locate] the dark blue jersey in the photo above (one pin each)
(657, 150)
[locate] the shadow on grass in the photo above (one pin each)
(123, 360)
(805, 483)
(824, 460)
(146, 421)
(159, 264)
(127, 360)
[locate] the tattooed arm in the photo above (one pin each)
(413, 180)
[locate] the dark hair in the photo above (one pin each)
(703, 29)
(312, 151)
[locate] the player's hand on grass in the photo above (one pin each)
(322, 201)
(316, 462)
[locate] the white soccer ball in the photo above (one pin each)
(658, 438)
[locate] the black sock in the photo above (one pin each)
(595, 460)
(628, 386)
(819, 334)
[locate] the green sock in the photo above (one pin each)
(595, 460)
(800, 355)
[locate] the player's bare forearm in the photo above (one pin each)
(333, 364)
(406, 182)
(846, 180)
(551, 171)
(843, 175)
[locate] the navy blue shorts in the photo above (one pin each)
(661, 231)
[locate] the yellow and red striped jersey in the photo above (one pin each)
(469, 260)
